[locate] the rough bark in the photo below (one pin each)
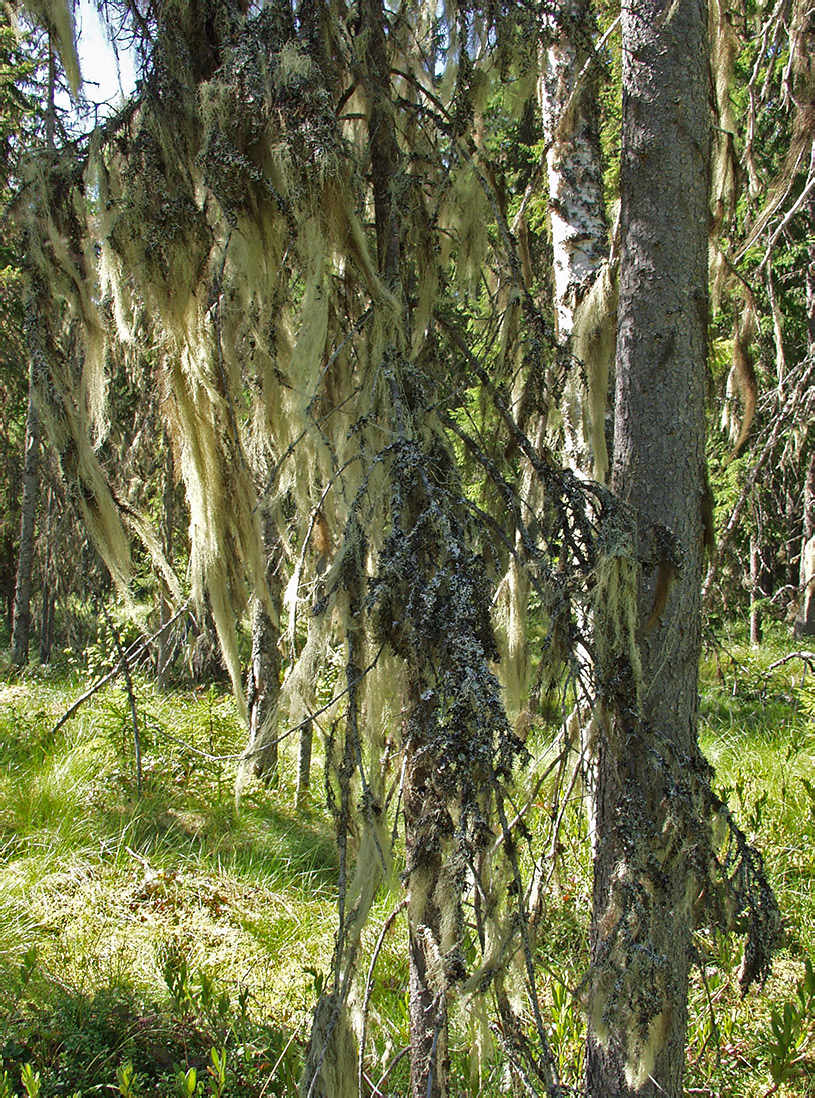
(659, 469)
(21, 625)
(429, 1064)
(427, 1007)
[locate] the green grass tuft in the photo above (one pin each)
(153, 943)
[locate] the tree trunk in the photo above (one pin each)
(805, 616)
(641, 922)
(48, 588)
(429, 1063)
(304, 766)
(585, 289)
(21, 624)
(428, 1005)
(263, 684)
(810, 276)
(755, 590)
(579, 232)
(165, 644)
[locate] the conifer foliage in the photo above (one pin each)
(299, 227)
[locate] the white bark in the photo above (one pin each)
(579, 232)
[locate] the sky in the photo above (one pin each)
(103, 79)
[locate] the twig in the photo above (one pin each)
(807, 657)
(516, 1067)
(131, 697)
(298, 569)
(271, 1074)
(375, 1091)
(441, 1018)
(134, 652)
(399, 1056)
(548, 1070)
(532, 797)
(790, 213)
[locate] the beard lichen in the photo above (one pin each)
(303, 380)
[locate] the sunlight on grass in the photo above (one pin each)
(161, 927)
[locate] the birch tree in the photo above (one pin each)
(300, 216)
(584, 284)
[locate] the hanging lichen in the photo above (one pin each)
(314, 257)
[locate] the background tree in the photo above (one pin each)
(17, 125)
(761, 185)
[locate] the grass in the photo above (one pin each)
(172, 943)
(161, 927)
(758, 732)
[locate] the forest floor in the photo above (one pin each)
(166, 941)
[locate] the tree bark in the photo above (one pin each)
(579, 229)
(810, 272)
(573, 162)
(755, 589)
(429, 1063)
(21, 623)
(580, 253)
(805, 617)
(304, 766)
(638, 1016)
(165, 644)
(48, 587)
(428, 1007)
(263, 684)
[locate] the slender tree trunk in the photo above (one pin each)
(263, 684)
(810, 273)
(428, 1006)
(805, 616)
(755, 581)
(429, 1063)
(579, 230)
(808, 518)
(585, 289)
(304, 766)
(164, 653)
(48, 591)
(21, 626)
(47, 623)
(641, 922)
(21, 615)
(573, 162)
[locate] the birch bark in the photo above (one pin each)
(578, 226)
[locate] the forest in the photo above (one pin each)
(407, 550)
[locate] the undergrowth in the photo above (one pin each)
(173, 943)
